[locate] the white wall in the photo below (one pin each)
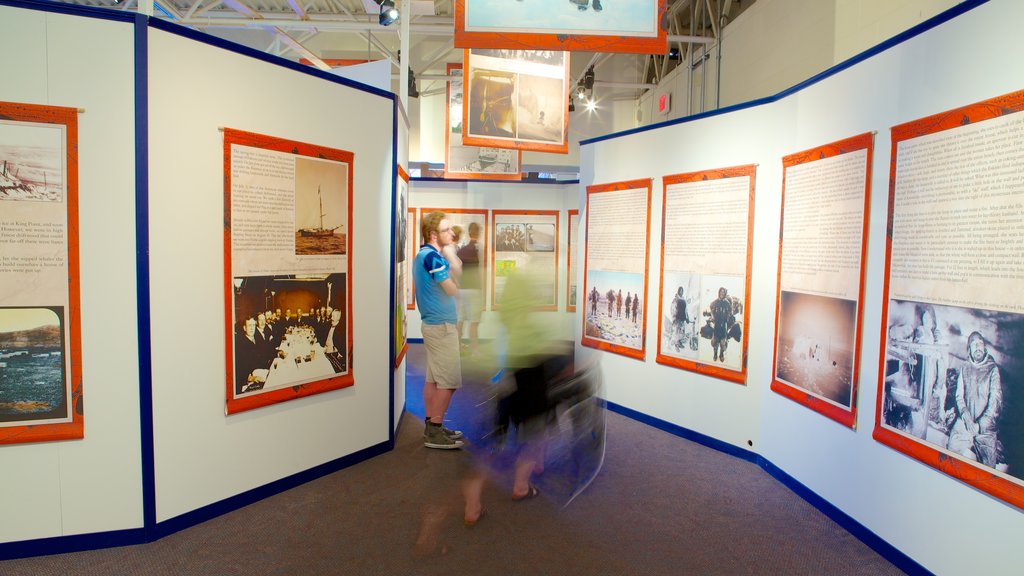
(95, 484)
(202, 456)
(941, 523)
(502, 196)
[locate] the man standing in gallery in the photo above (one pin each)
(471, 293)
(979, 399)
(435, 298)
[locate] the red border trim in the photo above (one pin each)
(556, 41)
(640, 183)
(494, 234)
(235, 405)
(845, 417)
(471, 140)
(739, 377)
(568, 258)
(400, 309)
(75, 429)
(981, 478)
(448, 147)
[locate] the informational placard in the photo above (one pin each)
(825, 204)
(412, 244)
(577, 25)
(952, 355)
(287, 271)
(615, 264)
(472, 162)
(526, 241)
(401, 232)
(707, 221)
(461, 219)
(40, 317)
(571, 259)
(516, 99)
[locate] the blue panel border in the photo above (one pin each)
(858, 530)
(938, 19)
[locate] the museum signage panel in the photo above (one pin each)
(472, 162)
(516, 99)
(953, 333)
(618, 220)
(40, 317)
(635, 26)
(287, 269)
(704, 294)
(822, 243)
(526, 241)
(571, 259)
(398, 298)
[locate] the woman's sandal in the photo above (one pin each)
(533, 492)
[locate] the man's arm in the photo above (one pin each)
(449, 287)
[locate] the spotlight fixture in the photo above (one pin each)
(581, 92)
(388, 12)
(588, 78)
(572, 105)
(673, 54)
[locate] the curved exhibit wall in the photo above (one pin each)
(943, 524)
(201, 456)
(488, 196)
(94, 484)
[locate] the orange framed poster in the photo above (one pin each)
(40, 314)
(401, 232)
(526, 241)
(952, 339)
(615, 260)
(516, 99)
(635, 26)
(826, 198)
(570, 257)
(473, 277)
(472, 162)
(287, 269)
(412, 244)
(704, 290)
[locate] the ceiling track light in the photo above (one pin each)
(388, 12)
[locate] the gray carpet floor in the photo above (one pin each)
(661, 505)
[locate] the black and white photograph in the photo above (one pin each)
(541, 108)
(680, 308)
(540, 237)
(721, 321)
(33, 380)
(31, 161)
(289, 330)
(321, 198)
(952, 380)
(614, 308)
(817, 335)
(510, 238)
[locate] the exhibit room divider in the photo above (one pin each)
(913, 492)
(202, 168)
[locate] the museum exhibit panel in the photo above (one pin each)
(860, 348)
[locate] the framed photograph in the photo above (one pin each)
(516, 99)
(287, 271)
(570, 256)
(704, 293)
(472, 162)
(401, 228)
(636, 26)
(615, 261)
(412, 245)
(826, 199)
(526, 241)
(952, 338)
(40, 315)
(474, 276)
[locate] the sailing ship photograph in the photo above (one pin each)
(31, 161)
(33, 383)
(321, 207)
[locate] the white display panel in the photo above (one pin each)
(188, 301)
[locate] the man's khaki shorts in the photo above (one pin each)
(444, 367)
